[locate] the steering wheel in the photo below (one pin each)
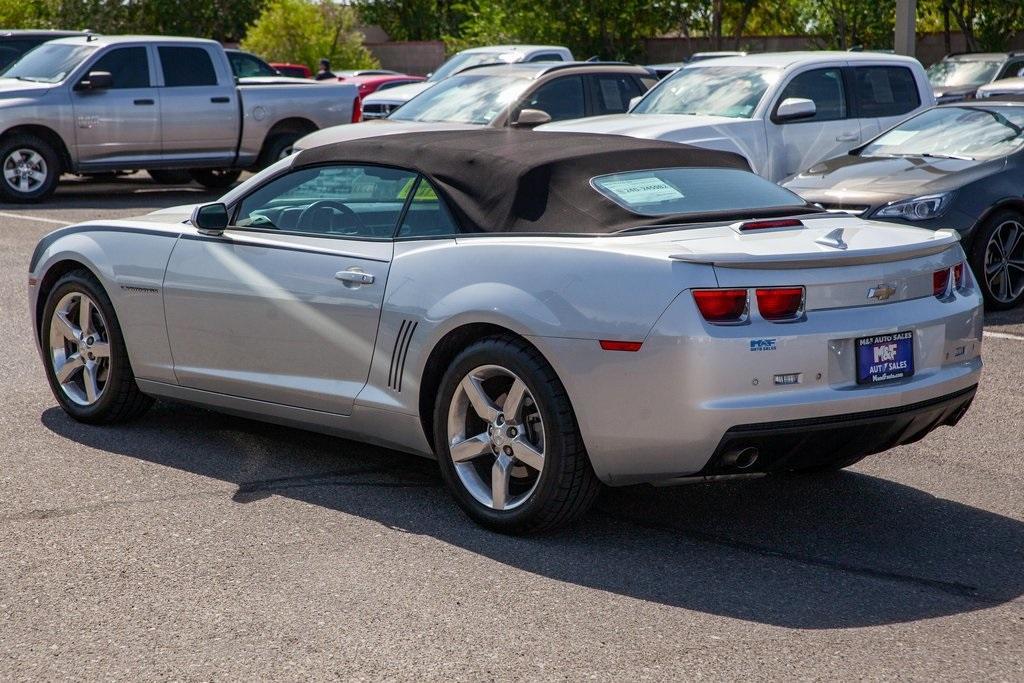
(311, 211)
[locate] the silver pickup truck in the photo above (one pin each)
(96, 104)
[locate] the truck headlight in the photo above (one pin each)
(918, 208)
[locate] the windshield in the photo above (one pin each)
(465, 60)
(957, 72)
(475, 99)
(670, 191)
(49, 63)
(732, 91)
(957, 132)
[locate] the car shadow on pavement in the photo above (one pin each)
(835, 551)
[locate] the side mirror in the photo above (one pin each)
(211, 219)
(633, 101)
(531, 118)
(795, 108)
(96, 80)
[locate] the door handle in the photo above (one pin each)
(220, 100)
(144, 102)
(847, 137)
(354, 277)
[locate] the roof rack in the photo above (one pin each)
(588, 63)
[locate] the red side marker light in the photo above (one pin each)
(780, 303)
(721, 305)
(940, 282)
(612, 345)
(766, 225)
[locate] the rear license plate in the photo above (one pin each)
(885, 357)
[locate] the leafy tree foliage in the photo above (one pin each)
(303, 32)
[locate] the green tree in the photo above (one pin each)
(303, 32)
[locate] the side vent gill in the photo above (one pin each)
(398, 354)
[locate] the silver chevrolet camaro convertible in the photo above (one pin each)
(541, 313)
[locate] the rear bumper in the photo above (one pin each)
(814, 442)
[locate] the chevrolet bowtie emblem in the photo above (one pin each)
(881, 292)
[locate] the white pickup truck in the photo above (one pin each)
(783, 112)
(95, 104)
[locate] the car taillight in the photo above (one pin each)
(780, 303)
(357, 109)
(769, 225)
(958, 276)
(721, 305)
(940, 282)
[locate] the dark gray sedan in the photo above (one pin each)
(954, 166)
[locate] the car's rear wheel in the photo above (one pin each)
(86, 361)
(997, 259)
(30, 168)
(278, 147)
(507, 441)
(215, 178)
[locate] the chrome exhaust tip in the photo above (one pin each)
(741, 458)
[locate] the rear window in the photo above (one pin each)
(885, 90)
(187, 66)
(668, 191)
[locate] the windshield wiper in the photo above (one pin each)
(30, 79)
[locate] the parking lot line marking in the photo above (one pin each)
(1003, 335)
(33, 218)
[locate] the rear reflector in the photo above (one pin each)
(721, 305)
(611, 345)
(940, 282)
(780, 303)
(766, 225)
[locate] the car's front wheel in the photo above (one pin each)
(507, 441)
(86, 360)
(997, 259)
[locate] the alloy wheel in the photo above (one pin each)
(496, 437)
(25, 170)
(1004, 261)
(79, 348)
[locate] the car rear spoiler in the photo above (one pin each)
(940, 242)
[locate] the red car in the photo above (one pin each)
(292, 70)
(369, 84)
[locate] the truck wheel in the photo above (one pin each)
(169, 177)
(277, 148)
(215, 178)
(31, 169)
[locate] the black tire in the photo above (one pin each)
(121, 399)
(275, 147)
(169, 176)
(567, 486)
(36, 189)
(979, 246)
(215, 178)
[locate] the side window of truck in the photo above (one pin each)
(824, 87)
(885, 90)
(186, 66)
(129, 67)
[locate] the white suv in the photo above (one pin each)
(783, 112)
(381, 103)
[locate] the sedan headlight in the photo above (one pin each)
(918, 208)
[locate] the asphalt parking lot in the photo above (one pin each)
(189, 545)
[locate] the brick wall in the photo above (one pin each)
(411, 57)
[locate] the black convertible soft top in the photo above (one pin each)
(525, 181)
